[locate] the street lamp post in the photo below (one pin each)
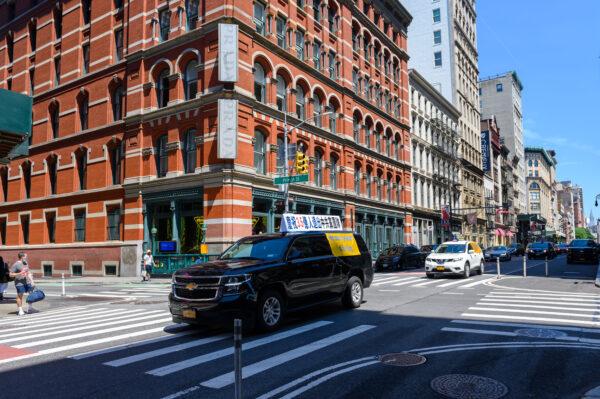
(597, 220)
(153, 231)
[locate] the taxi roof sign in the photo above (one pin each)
(295, 223)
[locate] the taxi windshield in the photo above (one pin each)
(261, 248)
(450, 249)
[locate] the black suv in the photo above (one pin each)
(260, 278)
(583, 251)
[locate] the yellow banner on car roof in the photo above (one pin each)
(343, 244)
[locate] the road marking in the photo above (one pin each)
(551, 320)
(451, 283)
(544, 301)
(30, 319)
(259, 367)
(98, 332)
(425, 283)
(379, 280)
(195, 361)
(559, 294)
(163, 351)
(477, 283)
(544, 297)
(523, 325)
(388, 290)
(453, 293)
(306, 377)
(84, 344)
(408, 282)
(486, 309)
(110, 296)
(476, 331)
(117, 348)
(512, 305)
(515, 346)
(394, 281)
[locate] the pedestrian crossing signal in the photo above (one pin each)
(301, 163)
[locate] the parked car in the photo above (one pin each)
(563, 248)
(400, 257)
(583, 251)
(261, 278)
(427, 249)
(516, 249)
(500, 252)
(541, 250)
(455, 258)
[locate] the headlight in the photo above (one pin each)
(454, 260)
(232, 284)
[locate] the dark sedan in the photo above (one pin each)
(583, 251)
(400, 257)
(500, 252)
(541, 250)
(516, 249)
(563, 248)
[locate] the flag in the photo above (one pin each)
(472, 218)
(445, 217)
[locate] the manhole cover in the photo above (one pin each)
(402, 359)
(540, 333)
(464, 386)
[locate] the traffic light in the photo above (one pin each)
(301, 163)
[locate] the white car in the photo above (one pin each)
(455, 258)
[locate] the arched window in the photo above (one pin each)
(300, 98)
(536, 163)
(189, 151)
(161, 156)
(333, 171)
(55, 120)
(318, 167)
(368, 128)
(84, 111)
(52, 163)
(57, 16)
(259, 153)
(191, 80)
(368, 183)
(117, 103)
(81, 160)
(318, 111)
(10, 46)
(530, 162)
(356, 127)
(116, 157)
(281, 94)
(86, 9)
(333, 109)
(4, 180)
(259, 83)
(33, 34)
(534, 186)
(280, 161)
(357, 179)
(388, 189)
(162, 89)
(26, 168)
(379, 190)
(191, 11)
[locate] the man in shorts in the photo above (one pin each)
(19, 271)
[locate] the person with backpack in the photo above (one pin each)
(20, 271)
(4, 277)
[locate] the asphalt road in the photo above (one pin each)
(514, 337)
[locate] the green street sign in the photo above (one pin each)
(290, 179)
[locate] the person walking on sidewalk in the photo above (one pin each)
(19, 271)
(4, 277)
(148, 264)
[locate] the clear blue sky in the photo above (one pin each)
(555, 48)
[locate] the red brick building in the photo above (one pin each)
(129, 147)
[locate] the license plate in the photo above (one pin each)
(189, 314)
(440, 268)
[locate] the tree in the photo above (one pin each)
(583, 233)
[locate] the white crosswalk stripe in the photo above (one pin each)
(409, 281)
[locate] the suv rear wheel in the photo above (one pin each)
(353, 295)
(269, 312)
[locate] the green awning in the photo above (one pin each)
(15, 124)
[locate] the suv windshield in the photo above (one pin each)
(580, 243)
(263, 248)
(498, 248)
(539, 245)
(450, 249)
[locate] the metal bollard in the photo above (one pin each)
(498, 267)
(62, 276)
(524, 266)
(237, 357)
(546, 266)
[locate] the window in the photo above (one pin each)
(300, 44)
(47, 268)
(110, 270)
(12, 10)
(31, 81)
(331, 63)
(82, 168)
(317, 54)
(57, 15)
(86, 58)
(162, 89)
(437, 15)
(191, 12)
(530, 162)
(357, 179)
(318, 168)
(368, 136)
(333, 118)
(259, 17)
(117, 103)
(25, 228)
(309, 247)
(437, 59)
(281, 31)
(536, 163)
(356, 128)
(378, 182)
(437, 37)
(259, 153)
(369, 183)
(118, 4)
(4, 178)
(51, 226)
(318, 111)
(536, 173)
(332, 19)
(119, 44)
(281, 94)
(499, 87)
(191, 80)
(26, 168)
(10, 47)
(259, 83)
(86, 9)
(33, 34)
(55, 120)
(52, 173)
(83, 112)
(116, 157)
(333, 172)
(300, 3)
(161, 156)
(317, 10)
(56, 71)
(77, 270)
(114, 224)
(164, 17)
(189, 151)
(9, 83)
(534, 195)
(300, 99)
(355, 81)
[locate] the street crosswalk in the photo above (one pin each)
(154, 291)
(389, 281)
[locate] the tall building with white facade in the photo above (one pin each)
(435, 164)
(501, 98)
(443, 47)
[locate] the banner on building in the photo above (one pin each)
(485, 151)
(472, 218)
(293, 223)
(227, 129)
(445, 216)
(228, 52)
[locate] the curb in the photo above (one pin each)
(598, 277)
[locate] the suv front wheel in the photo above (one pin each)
(269, 312)
(353, 295)
(467, 272)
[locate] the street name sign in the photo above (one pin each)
(290, 179)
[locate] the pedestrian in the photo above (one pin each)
(4, 277)
(20, 271)
(148, 264)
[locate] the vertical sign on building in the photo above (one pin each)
(228, 52)
(485, 151)
(227, 129)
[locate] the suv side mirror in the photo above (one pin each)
(471, 251)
